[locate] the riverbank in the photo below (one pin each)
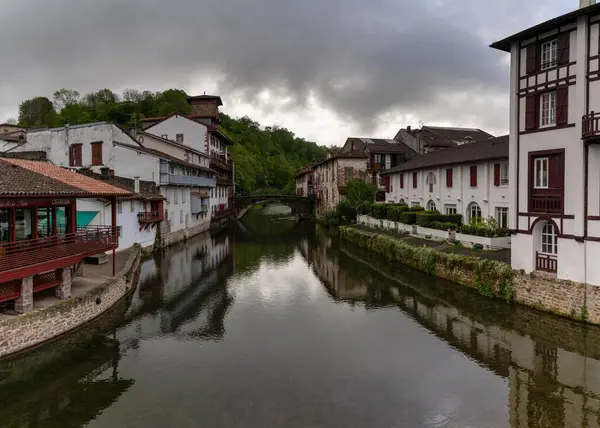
(491, 278)
(46, 323)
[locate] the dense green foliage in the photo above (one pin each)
(264, 157)
(359, 198)
(489, 277)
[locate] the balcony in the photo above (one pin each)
(221, 161)
(376, 165)
(223, 180)
(590, 129)
(548, 201)
(149, 217)
(34, 256)
(186, 180)
(217, 215)
(545, 262)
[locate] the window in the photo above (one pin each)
(540, 173)
(430, 181)
(349, 172)
(501, 174)
(549, 239)
(179, 138)
(119, 207)
(97, 153)
(402, 181)
(548, 108)
(180, 216)
(183, 196)
(431, 206)
(474, 213)
(473, 177)
(414, 180)
(75, 155)
(449, 177)
(549, 54)
(175, 196)
(131, 206)
(415, 204)
(386, 181)
(502, 216)
(451, 209)
(165, 136)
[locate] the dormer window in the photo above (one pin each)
(549, 54)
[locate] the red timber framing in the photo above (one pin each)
(549, 197)
(147, 219)
(40, 235)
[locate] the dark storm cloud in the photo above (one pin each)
(359, 58)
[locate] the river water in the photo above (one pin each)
(276, 324)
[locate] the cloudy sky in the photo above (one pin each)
(326, 69)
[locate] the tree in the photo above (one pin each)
(11, 121)
(64, 98)
(37, 111)
(359, 193)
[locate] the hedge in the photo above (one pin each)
(426, 218)
(491, 278)
(476, 230)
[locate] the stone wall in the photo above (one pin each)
(166, 238)
(25, 331)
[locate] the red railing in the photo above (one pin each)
(590, 125)
(34, 256)
(149, 217)
(546, 203)
(545, 262)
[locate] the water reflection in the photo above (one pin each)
(552, 365)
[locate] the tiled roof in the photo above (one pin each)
(438, 136)
(148, 189)
(206, 97)
(20, 177)
(168, 141)
(494, 148)
(347, 155)
(30, 155)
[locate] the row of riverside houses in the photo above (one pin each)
(554, 131)
(177, 168)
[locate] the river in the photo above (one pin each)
(277, 324)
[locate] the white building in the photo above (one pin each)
(554, 90)
(470, 179)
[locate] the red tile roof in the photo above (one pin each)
(32, 178)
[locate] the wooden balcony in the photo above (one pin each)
(217, 215)
(545, 262)
(31, 257)
(590, 130)
(149, 217)
(546, 201)
(221, 162)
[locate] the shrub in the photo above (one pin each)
(416, 209)
(427, 218)
(395, 212)
(408, 217)
(379, 211)
(440, 225)
(491, 278)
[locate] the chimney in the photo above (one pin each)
(586, 3)
(408, 129)
(104, 173)
(136, 184)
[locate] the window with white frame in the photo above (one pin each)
(119, 207)
(415, 204)
(175, 196)
(548, 109)
(132, 206)
(451, 209)
(430, 181)
(549, 239)
(502, 216)
(474, 213)
(504, 174)
(549, 54)
(540, 173)
(431, 206)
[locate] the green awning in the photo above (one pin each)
(85, 217)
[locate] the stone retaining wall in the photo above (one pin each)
(25, 331)
(168, 238)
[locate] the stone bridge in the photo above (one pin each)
(302, 206)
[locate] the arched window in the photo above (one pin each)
(474, 213)
(431, 206)
(430, 180)
(402, 202)
(549, 239)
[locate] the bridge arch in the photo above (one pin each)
(302, 206)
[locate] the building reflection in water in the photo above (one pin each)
(182, 292)
(552, 365)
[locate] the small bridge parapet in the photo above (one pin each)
(302, 206)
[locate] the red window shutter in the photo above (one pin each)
(474, 176)
(556, 171)
(532, 50)
(496, 174)
(402, 181)
(563, 44)
(562, 106)
(449, 177)
(79, 155)
(531, 112)
(414, 180)
(387, 184)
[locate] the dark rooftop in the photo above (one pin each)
(206, 97)
(342, 155)
(504, 44)
(493, 148)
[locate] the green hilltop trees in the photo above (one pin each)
(264, 157)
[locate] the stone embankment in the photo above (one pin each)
(25, 331)
(490, 278)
